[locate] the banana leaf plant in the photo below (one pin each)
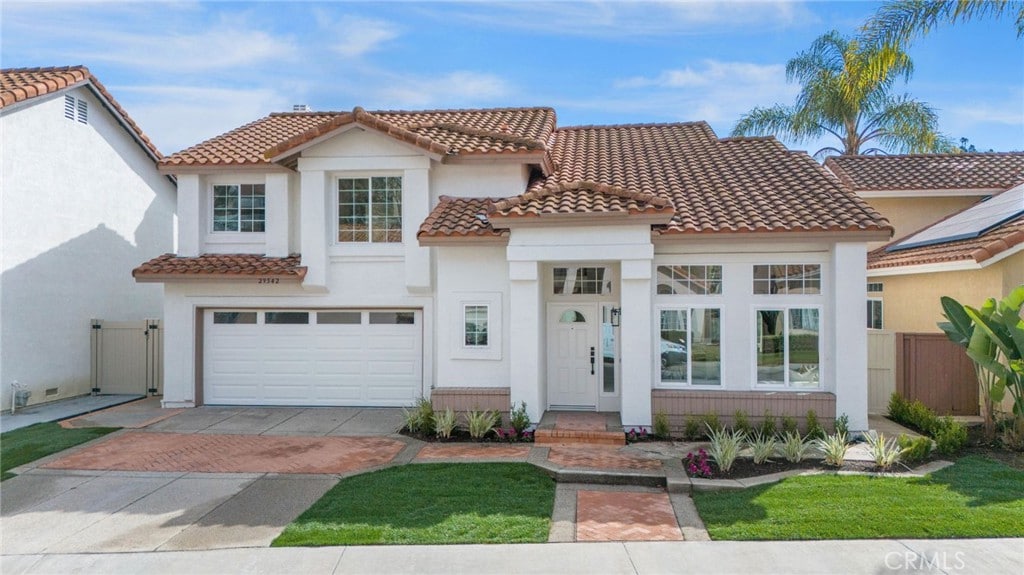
(993, 336)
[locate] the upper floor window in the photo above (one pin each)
(76, 109)
(370, 210)
(689, 280)
(787, 279)
(239, 208)
(582, 281)
(875, 313)
(875, 287)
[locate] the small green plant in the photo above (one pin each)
(1012, 435)
(444, 423)
(725, 447)
(950, 436)
(843, 424)
(518, 418)
(914, 450)
(419, 419)
(899, 408)
(885, 452)
(762, 448)
(795, 448)
(814, 429)
(834, 448)
(768, 424)
(662, 429)
(740, 422)
(789, 425)
(711, 422)
(480, 423)
(691, 429)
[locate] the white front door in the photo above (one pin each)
(572, 356)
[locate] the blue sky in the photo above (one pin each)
(187, 71)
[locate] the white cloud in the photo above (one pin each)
(362, 35)
(453, 89)
(177, 117)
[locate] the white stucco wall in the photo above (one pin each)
(483, 180)
(82, 205)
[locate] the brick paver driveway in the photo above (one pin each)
(210, 453)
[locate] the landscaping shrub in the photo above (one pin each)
(711, 423)
(740, 422)
(885, 452)
(768, 424)
(725, 447)
(691, 429)
(518, 418)
(843, 424)
(789, 425)
(914, 450)
(899, 408)
(444, 423)
(814, 429)
(762, 447)
(795, 448)
(419, 419)
(697, 465)
(662, 430)
(834, 448)
(480, 423)
(950, 436)
(1012, 435)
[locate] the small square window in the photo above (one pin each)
(476, 328)
(239, 208)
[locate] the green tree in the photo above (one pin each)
(899, 23)
(842, 96)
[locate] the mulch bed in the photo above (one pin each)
(460, 436)
(744, 467)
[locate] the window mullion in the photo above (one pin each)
(689, 348)
(785, 347)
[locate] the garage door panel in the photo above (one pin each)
(313, 364)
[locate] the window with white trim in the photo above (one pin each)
(76, 109)
(370, 210)
(475, 332)
(875, 313)
(788, 346)
(690, 346)
(689, 280)
(583, 280)
(787, 279)
(239, 208)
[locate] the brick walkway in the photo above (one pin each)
(436, 451)
(625, 516)
(600, 458)
(581, 421)
(208, 453)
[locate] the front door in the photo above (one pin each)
(572, 356)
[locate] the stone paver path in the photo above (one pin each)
(601, 458)
(436, 451)
(209, 453)
(625, 516)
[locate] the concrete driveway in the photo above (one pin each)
(204, 478)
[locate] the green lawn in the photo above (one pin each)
(977, 497)
(430, 504)
(30, 443)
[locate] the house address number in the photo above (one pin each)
(268, 280)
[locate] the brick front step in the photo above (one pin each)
(549, 437)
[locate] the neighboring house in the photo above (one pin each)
(81, 203)
(482, 257)
(949, 240)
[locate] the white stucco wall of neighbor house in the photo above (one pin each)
(81, 205)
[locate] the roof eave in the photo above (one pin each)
(292, 151)
(670, 236)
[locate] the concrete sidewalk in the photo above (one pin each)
(981, 556)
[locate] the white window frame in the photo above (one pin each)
(492, 301)
(487, 325)
(336, 211)
(785, 309)
(571, 270)
(235, 233)
(881, 315)
(753, 275)
(720, 293)
(688, 308)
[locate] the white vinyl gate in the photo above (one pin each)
(127, 357)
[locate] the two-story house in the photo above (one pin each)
(483, 257)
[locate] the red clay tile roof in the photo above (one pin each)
(219, 266)
(456, 218)
(580, 198)
(976, 249)
(929, 171)
(441, 132)
(20, 84)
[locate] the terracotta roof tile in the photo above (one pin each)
(929, 171)
(220, 265)
(461, 218)
(580, 198)
(441, 132)
(20, 84)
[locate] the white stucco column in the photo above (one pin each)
(277, 215)
(415, 208)
(189, 214)
(313, 212)
(637, 351)
(179, 350)
(849, 270)
(525, 321)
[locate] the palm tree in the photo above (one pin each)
(897, 23)
(842, 97)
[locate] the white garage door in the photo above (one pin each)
(312, 357)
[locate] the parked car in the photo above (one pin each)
(672, 353)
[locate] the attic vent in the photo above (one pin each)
(301, 108)
(52, 391)
(76, 108)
